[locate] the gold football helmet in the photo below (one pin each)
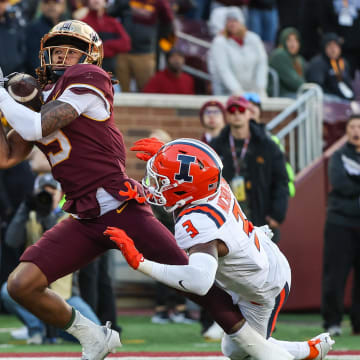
(70, 34)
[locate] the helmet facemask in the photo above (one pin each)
(68, 35)
(155, 185)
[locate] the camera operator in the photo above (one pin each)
(35, 215)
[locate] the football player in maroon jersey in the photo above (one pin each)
(75, 129)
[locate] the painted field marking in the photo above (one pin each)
(53, 356)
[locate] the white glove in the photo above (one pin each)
(267, 230)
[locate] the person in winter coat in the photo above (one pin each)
(237, 60)
(254, 166)
(288, 63)
(342, 233)
(330, 70)
(114, 37)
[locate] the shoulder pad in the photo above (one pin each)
(85, 74)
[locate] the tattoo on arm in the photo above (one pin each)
(55, 115)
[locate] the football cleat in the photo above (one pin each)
(214, 332)
(334, 330)
(319, 346)
(107, 340)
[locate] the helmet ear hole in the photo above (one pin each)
(179, 193)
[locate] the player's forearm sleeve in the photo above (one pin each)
(25, 121)
(197, 277)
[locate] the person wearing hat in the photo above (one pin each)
(255, 109)
(212, 118)
(288, 63)
(254, 166)
(342, 233)
(237, 60)
(171, 80)
(330, 70)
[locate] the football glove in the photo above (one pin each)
(126, 246)
(148, 146)
(132, 193)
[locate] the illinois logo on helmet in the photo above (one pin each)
(183, 171)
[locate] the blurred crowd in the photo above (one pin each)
(261, 46)
(247, 40)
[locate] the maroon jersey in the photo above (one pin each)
(87, 153)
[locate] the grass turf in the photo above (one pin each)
(139, 335)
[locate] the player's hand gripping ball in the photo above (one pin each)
(26, 90)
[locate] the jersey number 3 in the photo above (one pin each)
(190, 228)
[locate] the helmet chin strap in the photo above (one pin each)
(178, 204)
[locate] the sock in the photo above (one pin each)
(82, 328)
(299, 349)
(257, 346)
(73, 312)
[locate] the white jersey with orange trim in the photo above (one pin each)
(254, 269)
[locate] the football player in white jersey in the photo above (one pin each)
(184, 176)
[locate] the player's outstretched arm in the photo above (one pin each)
(13, 148)
(32, 126)
(197, 277)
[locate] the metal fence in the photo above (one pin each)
(299, 127)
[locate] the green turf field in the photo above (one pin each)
(139, 334)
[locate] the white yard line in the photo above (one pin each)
(334, 357)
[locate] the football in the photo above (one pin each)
(26, 90)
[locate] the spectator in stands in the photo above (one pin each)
(212, 118)
(51, 12)
(330, 70)
(141, 20)
(171, 80)
(197, 9)
(12, 38)
(34, 216)
(342, 18)
(114, 37)
(288, 62)
(237, 59)
(15, 185)
(342, 233)
(263, 19)
(254, 166)
(255, 109)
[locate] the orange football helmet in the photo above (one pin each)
(181, 172)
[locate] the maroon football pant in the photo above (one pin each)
(73, 243)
